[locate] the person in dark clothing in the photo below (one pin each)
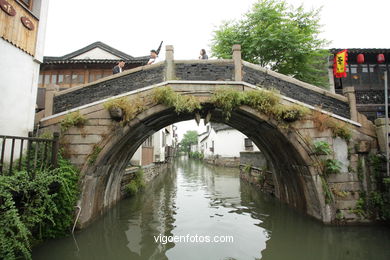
(118, 68)
(203, 55)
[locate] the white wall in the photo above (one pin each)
(159, 150)
(97, 53)
(19, 74)
(137, 157)
(18, 84)
(227, 143)
(19, 81)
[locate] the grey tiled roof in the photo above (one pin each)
(220, 127)
(362, 50)
(68, 57)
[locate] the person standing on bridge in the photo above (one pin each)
(203, 55)
(118, 68)
(153, 57)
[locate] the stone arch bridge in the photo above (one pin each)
(297, 175)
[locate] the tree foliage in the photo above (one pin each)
(190, 137)
(277, 36)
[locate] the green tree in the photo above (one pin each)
(279, 37)
(190, 137)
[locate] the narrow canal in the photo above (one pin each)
(192, 201)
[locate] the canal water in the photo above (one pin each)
(193, 203)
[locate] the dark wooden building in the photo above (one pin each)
(366, 74)
(85, 65)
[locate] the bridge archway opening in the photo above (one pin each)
(289, 164)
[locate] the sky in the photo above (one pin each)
(136, 27)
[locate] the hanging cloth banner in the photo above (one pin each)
(340, 64)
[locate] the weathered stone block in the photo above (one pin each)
(343, 177)
(88, 130)
(346, 186)
(79, 149)
(363, 146)
(346, 204)
(340, 151)
(78, 139)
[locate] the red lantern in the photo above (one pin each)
(380, 58)
(360, 58)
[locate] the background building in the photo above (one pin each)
(159, 147)
(365, 73)
(82, 66)
(222, 144)
(22, 34)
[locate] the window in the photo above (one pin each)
(77, 78)
(248, 144)
(46, 80)
(54, 78)
(164, 137)
(40, 79)
(60, 78)
(148, 142)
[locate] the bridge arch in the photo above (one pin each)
(297, 181)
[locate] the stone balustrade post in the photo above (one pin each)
(49, 99)
(380, 124)
(349, 92)
(237, 62)
(169, 63)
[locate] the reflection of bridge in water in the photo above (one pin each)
(295, 168)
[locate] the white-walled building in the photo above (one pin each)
(157, 148)
(221, 140)
(22, 31)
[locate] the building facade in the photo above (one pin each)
(82, 66)
(222, 143)
(157, 148)
(365, 72)
(22, 35)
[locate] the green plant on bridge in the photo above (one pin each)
(264, 101)
(291, 113)
(227, 100)
(322, 148)
(324, 121)
(331, 166)
(130, 107)
(181, 103)
(94, 154)
(71, 120)
(329, 197)
(136, 184)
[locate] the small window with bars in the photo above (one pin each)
(248, 142)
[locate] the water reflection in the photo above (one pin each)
(197, 199)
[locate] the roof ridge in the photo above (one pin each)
(97, 44)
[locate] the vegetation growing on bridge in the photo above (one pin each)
(323, 121)
(36, 208)
(181, 103)
(130, 108)
(264, 101)
(73, 119)
(94, 154)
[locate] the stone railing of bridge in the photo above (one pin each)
(233, 70)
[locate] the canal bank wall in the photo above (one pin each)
(149, 173)
(233, 162)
